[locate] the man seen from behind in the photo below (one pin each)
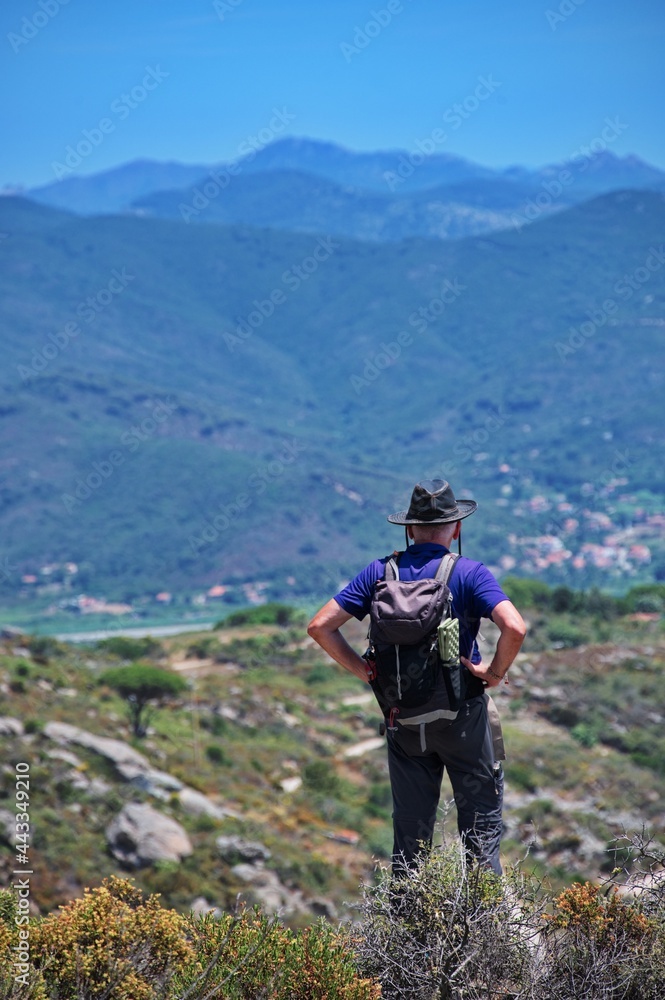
(457, 731)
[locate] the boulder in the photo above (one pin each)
(322, 907)
(235, 849)
(365, 746)
(200, 907)
(118, 752)
(94, 787)
(197, 804)
(140, 835)
(137, 769)
(268, 891)
(7, 826)
(9, 632)
(149, 779)
(66, 755)
(10, 727)
(291, 784)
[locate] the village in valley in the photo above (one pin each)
(608, 538)
(59, 579)
(584, 539)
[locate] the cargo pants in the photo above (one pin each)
(471, 748)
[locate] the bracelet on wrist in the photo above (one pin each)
(499, 677)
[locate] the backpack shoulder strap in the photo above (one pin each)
(446, 567)
(392, 566)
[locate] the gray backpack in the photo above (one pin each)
(405, 669)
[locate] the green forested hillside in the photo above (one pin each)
(263, 399)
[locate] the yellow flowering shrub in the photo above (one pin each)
(598, 917)
(15, 982)
(250, 955)
(116, 944)
(111, 943)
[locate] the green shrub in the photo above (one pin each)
(565, 636)
(203, 647)
(217, 755)
(379, 800)
(649, 603)
(526, 593)
(319, 674)
(522, 775)
(563, 599)
(215, 724)
(250, 956)
(265, 614)
(129, 648)
(563, 715)
(43, 647)
(379, 841)
(601, 605)
(319, 776)
(648, 597)
(586, 733)
(66, 791)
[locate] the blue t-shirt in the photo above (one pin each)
(475, 591)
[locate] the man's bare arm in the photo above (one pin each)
(513, 630)
(324, 629)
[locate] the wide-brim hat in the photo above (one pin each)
(433, 502)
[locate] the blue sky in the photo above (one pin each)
(366, 75)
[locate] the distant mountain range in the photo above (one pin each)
(114, 190)
(307, 186)
(288, 200)
(186, 405)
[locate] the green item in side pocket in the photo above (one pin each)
(448, 635)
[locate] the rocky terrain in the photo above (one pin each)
(268, 779)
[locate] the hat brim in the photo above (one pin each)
(464, 508)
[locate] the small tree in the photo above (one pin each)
(139, 684)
